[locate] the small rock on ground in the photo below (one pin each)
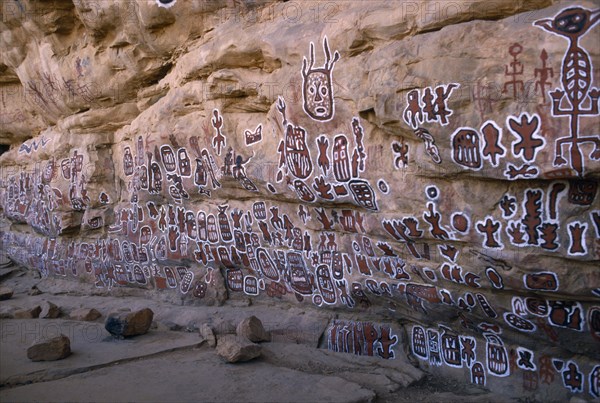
(6, 293)
(55, 348)
(237, 349)
(28, 313)
(128, 324)
(207, 334)
(49, 310)
(85, 314)
(252, 329)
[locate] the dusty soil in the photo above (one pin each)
(173, 363)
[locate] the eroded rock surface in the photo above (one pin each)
(428, 171)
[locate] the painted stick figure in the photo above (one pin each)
(219, 140)
(544, 73)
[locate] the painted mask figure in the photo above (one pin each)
(567, 314)
(127, 252)
(419, 342)
(595, 382)
(142, 172)
(497, 358)
(297, 153)
(202, 230)
(161, 249)
(186, 282)
(545, 281)
(140, 151)
(199, 289)
(594, 321)
(173, 237)
(185, 166)
(297, 243)
(466, 150)
(341, 160)
(303, 191)
(368, 246)
(224, 226)
(211, 229)
(250, 285)
(200, 174)
(116, 250)
(582, 193)
(317, 89)
(363, 194)
(138, 275)
(433, 339)
(451, 349)
(120, 274)
(168, 158)
(128, 162)
(267, 267)
(190, 225)
(298, 274)
(235, 280)
(65, 168)
(259, 210)
(477, 374)
(536, 306)
(325, 284)
(337, 266)
(572, 377)
(49, 171)
(240, 243)
(155, 178)
(293, 150)
(224, 257)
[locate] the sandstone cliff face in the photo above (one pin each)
(429, 166)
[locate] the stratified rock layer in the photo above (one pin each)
(427, 170)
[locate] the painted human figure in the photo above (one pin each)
(576, 78)
(239, 171)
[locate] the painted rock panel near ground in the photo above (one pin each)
(427, 170)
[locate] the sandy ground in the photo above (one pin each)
(173, 363)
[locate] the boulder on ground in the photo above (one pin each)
(206, 333)
(85, 314)
(7, 312)
(49, 310)
(30, 313)
(6, 293)
(237, 349)
(252, 329)
(34, 291)
(128, 324)
(50, 349)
